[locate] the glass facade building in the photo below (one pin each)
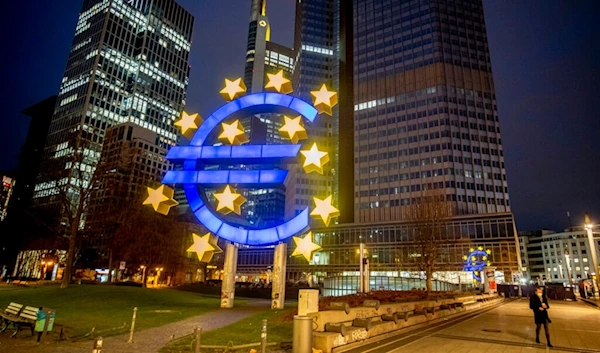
(128, 63)
(392, 247)
(264, 207)
(418, 114)
(425, 109)
(315, 57)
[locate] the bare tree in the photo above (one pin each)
(429, 216)
(68, 181)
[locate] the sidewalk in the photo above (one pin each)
(147, 341)
(575, 327)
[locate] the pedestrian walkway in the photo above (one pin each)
(147, 341)
(575, 327)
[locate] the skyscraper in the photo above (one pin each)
(264, 207)
(31, 153)
(128, 63)
(315, 40)
(420, 119)
(129, 162)
(259, 33)
(425, 109)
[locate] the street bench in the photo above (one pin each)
(27, 316)
(19, 283)
(10, 313)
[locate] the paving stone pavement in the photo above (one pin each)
(147, 341)
(509, 328)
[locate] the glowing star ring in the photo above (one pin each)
(191, 177)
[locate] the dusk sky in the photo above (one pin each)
(544, 59)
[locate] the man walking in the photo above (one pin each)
(539, 304)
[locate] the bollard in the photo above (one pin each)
(302, 334)
(97, 345)
(263, 337)
(132, 326)
(198, 335)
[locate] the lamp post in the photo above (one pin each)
(588, 228)
(158, 271)
(43, 274)
(363, 285)
(568, 263)
(143, 275)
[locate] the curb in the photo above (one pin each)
(590, 302)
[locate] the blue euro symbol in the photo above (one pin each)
(191, 177)
(478, 264)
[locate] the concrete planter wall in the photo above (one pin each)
(416, 313)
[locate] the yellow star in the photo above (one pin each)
(315, 159)
(233, 133)
(188, 122)
(203, 248)
(324, 100)
(305, 246)
(480, 248)
(161, 199)
(484, 258)
(233, 89)
(488, 251)
(294, 128)
(473, 258)
(471, 250)
(465, 257)
(324, 209)
(230, 201)
(489, 263)
(279, 83)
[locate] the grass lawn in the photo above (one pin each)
(79, 308)
(279, 329)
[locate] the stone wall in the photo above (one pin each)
(409, 314)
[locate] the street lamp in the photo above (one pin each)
(568, 263)
(363, 285)
(588, 228)
(43, 274)
(143, 275)
(158, 271)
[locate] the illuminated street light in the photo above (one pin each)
(143, 275)
(158, 271)
(588, 227)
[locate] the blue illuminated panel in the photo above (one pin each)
(247, 154)
(212, 178)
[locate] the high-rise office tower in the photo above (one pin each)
(129, 162)
(417, 116)
(31, 153)
(264, 207)
(259, 33)
(128, 63)
(323, 56)
(425, 109)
